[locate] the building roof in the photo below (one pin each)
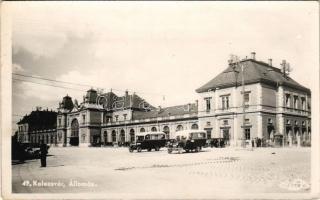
(113, 102)
(40, 120)
(166, 112)
(255, 71)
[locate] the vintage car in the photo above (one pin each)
(188, 140)
(149, 141)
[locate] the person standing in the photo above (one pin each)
(43, 154)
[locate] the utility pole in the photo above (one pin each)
(243, 108)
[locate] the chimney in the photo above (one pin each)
(253, 55)
(283, 65)
(270, 61)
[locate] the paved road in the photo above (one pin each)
(212, 171)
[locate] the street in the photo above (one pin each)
(211, 171)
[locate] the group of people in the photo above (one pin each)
(256, 142)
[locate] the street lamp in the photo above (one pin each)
(235, 59)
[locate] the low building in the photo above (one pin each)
(39, 125)
(270, 106)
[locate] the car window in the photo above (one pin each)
(147, 137)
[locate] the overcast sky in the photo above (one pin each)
(152, 48)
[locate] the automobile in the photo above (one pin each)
(149, 141)
(188, 140)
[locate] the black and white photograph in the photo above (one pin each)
(160, 100)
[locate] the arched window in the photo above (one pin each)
(195, 127)
(179, 128)
(131, 135)
(114, 136)
(122, 136)
(74, 128)
(142, 130)
(166, 130)
(153, 129)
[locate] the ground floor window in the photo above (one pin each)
(247, 133)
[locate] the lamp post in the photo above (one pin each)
(243, 108)
(235, 59)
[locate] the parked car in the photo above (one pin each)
(149, 141)
(188, 140)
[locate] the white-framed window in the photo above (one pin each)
(247, 133)
(225, 102)
(208, 103)
(296, 102)
(288, 99)
(303, 103)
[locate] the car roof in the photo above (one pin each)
(150, 133)
(187, 132)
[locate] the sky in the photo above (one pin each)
(163, 51)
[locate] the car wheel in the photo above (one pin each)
(130, 150)
(169, 150)
(157, 148)
(197, 149)
(149, 149)
(187, 150)
(139, 149)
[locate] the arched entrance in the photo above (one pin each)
(131, 135)
(105, 137)
(166, 130)
(74, 138)
(114, 136)
(122, 136)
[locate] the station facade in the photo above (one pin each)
(270, 106)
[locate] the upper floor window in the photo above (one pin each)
(59, 122)
(288, 98)
(303, 103)
(83, 119)
(288, 121)
(303, 123)
(116, 117)
(296, 101)
(270, 121)
(247, 133)
(124, 117)
(208, 103)
(225, 102)
(246, 98)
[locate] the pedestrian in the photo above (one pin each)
(252, 143)
(43, 154)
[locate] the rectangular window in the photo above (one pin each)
(296, 101)
(303, 103)
(59, 122)
(208, 103)
(83, 119)
(124, 117)
(225, 102)
(116, 118)
(246, 98)
(247, 133)
(288, 100)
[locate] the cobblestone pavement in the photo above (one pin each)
(212, 171)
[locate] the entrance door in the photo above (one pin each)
(74, 139)
(226, 136)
